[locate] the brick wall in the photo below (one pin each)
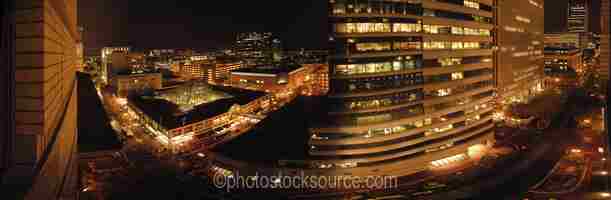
(46, 62)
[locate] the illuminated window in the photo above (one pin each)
(406, 45)
(457, 45)
(522, 19)
(363, 28)
(437, 45)
(373, 46)
(406, 28)
(436, 29)
(457, 75)
(373, 119)
(457, 30)
(369, 68)
(444, 92)
(449, 61)
(471, 4)
(474, 31)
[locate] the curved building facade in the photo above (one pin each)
(411, 82)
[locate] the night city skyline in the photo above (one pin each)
(147, 26)
(305, 99)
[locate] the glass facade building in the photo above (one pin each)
(578, 16)
(411, 82)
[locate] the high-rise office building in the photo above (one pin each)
(411, 85)
(41, 161)
(604, 40)
(578, 18)
(257, 48)
(107, 53)
(520, 40)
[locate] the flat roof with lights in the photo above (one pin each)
(170, 116)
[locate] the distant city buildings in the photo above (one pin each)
(580, 40)
(257, 48)
(282, 78)
(563, 58)
(133, 83)
(303, 56)
(107, 57)
(562, 65)
(578, 19)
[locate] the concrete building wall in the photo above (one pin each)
(44, 155)
(258, 82)
(520, 41)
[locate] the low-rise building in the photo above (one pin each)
(127, 83)
(282, 78)
(562, 58)
(562, 66)
(175, 120)
(571, 40)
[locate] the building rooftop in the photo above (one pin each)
(269, 69)
(134, 72)
(94, 130)
(170, 116)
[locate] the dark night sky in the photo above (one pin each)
(213, 23)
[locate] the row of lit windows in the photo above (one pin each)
(457, 89)
(407, 28)
(455, 30)
(469, 4)
(442, 129)
(377, 132)
(258, 82)
(373, 7)
(456, 15)
(451, 61)
(340, 7)
(387, 46)
(450, 45)
(462, 101)
(377, 83)
(456, 75)
(372, 68)
(411, 125)
(393, 115)
(377, 27)
(384, 101)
